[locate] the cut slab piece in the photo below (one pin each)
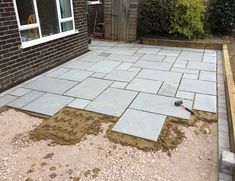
(144, 85)
(140, 124)
(48, 104)
(51, 85)
(79, 103)
(112, 102)
(198, 86)
(161, 105)
(120, 75)
(160, 75)
(6, 99)
(205, 103)
(89, 89)
(104, 66)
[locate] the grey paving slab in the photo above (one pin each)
(149, 50)
(209, 59)
(57, 72)
(98, 75)
(140, 124)
(103, 48)
(211, 53)
(25, 99)
(169, 52)
(205, 75)
(108, 43)
(91, 58)
(168, 89)
(160, 75)
(191, 56)
(123, 58)
(194, 50)
(76, 75)
(6, 99)
(202, 66)
(20, 92)
(144, 85)
(79, 103)
(104, 54)
(190, 76)
(51, 85)
(123, 51)
(78, 65)
(89, 89)
(170, 59)
(188, 71)
(124, 66)
(180, 64)
(154, 58)
(185, 95)
(104, 66)
(198, 86)
(120, 85)
(205, 103)
(48, 104)
(161, 105)
(120, 75)
(134, 69)
(112, 102)
(153, 65)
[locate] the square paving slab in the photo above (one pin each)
(198, 86)
(140, 124)
(144, 85)
(48, 104)
(76, 75)
(52, 85)
(112, 102)
(205, 103)
(161, 105)
(89, 89)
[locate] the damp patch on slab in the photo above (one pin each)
(69, 126)
(171, 134)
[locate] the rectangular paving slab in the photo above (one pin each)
(52, 85)
(48, 104)
(6, 99)
(76, 75)
(89, 89)
(20, 92)
(202, 66)
(123, 58)
(78, 65)
(198, 86)
(104, 66)
(160, 75)
(154, 58)
(153, 65)
(112, 102)
(161, 105)
(140, 124)
(191, 56)
(120, 75)
(144, 85)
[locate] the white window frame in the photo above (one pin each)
(94, 2)
(37, 25)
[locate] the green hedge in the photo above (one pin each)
(155, 15)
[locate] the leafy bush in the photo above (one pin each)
(154, 15)
(221, 16)
(187, 19)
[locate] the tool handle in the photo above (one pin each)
(189, 111)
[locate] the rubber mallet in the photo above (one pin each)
(181, 104)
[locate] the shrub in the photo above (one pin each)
(187, 19)
(221, 16)
(154, 15)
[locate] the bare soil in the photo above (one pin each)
(95, 157)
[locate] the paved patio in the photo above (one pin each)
(138, 83)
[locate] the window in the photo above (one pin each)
(43, 20)
(94, 2)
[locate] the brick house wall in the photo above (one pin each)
(91, 15)
(18, 65)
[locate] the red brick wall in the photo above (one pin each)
(17, 64)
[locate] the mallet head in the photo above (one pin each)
(179, 103)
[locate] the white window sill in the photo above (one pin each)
(48, 38)
(94, 3)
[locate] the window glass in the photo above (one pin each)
(26, 11)
(66, 26)
(47, 12)
(65, 8)
(31, 34)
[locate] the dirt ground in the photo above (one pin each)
(95, 157)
